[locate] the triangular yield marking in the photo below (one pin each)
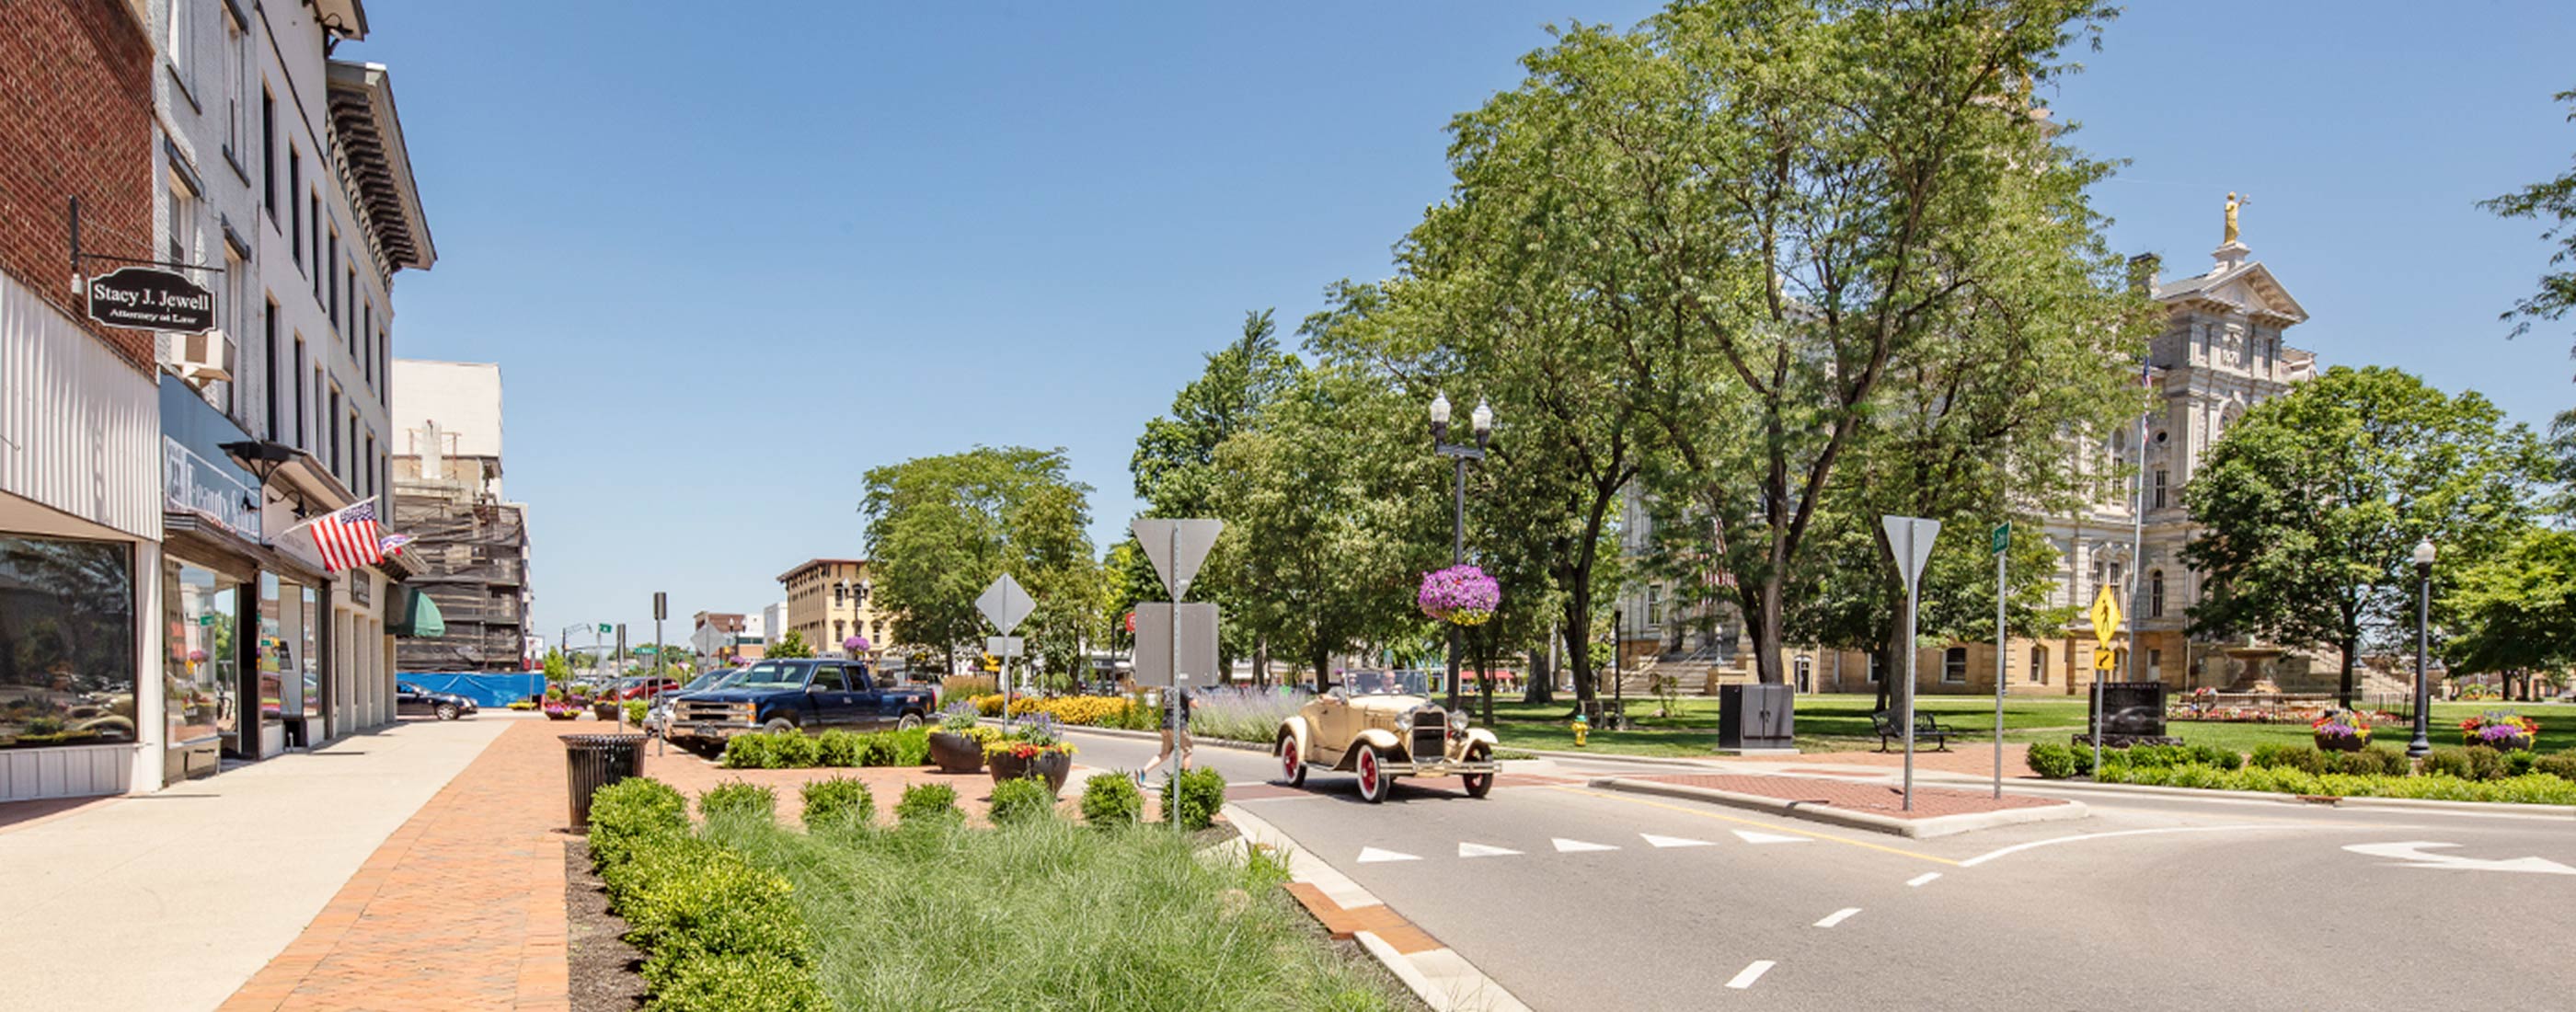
(1750, 836)
(1673, 841)
(1372, 855)
(1482, 850)
(1565, 846)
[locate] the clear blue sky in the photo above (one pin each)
(730, 257)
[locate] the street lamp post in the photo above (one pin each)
(2422, 746)
(1482, 422)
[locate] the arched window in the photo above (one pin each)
(1954, 665)
(2039, 665)
(2156, 594)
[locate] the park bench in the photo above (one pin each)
(1890, 729)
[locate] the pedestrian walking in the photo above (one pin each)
(1176, 726)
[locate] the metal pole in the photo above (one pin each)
(2097, 722)
(1999, 673)
(2137, 545)
(2422, 746)
(1172, 698)
(1457, 555)
(1913, 600)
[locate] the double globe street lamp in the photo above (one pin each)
(2422, 746)
(1481, 421)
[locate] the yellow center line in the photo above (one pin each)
(1768, 826)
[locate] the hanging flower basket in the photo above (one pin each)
(855, 645)
(1459, 595)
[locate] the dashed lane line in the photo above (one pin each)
(1744, 978)
(1922, 878)
(1705, 814)
(1837, 917)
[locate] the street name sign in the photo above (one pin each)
(1155, 643)
(1005, 604)
(149, 298)
(1177, 548)
(2001, 539)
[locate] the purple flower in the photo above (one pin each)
(1462, 594)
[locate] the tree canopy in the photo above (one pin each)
(942, 528)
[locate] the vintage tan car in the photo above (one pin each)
(1384, 725)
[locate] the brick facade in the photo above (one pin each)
(75, 120)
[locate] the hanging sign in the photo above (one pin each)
(149, 298)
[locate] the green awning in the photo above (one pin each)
(416, 616)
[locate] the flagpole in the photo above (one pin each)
(309, 521)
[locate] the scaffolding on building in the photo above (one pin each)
(473, 554)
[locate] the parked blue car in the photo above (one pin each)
(811, 696)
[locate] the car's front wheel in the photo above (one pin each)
(447, 711)
(780, 725)
(1375, 782)
(1478, 784)
(1292, 763)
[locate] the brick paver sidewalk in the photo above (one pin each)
(1978, 760)
(461, 908)
(1877, 799)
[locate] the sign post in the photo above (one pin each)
(1910, 540)
(1006, 606)
(2001, 543)
(1176, 548)
(2105, 615)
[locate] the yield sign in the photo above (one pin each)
(1177, 547)
(1005, 604)
(2414, 857)
(2105, 613)
(1911, 539)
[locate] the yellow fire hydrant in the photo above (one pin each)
(1582, 730)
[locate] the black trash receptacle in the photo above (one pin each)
(593, 761)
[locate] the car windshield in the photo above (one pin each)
(1390, 683)
(709, 680)
(407, 687)
(770, 676)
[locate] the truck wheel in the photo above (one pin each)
(1375, 781)
(909, 721)
(1292, 765)
(780, 725)
(1478, 784)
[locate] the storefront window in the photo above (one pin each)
(67, 664)
(309, 655)
(286, 664)
(200, 668)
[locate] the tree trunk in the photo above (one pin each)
(2343, 694)
(1323, 669)
(1766, 643)
(1542, 680)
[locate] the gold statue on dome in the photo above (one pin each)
(2232, 204)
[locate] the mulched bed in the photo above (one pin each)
(605, 970)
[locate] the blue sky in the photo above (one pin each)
(732, 257)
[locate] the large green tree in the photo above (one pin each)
(941, 528)
(2311, 506)
(2513, 613)
(2552, 201)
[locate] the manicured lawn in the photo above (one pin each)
(1833, 722)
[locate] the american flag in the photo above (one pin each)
(393, 543)
(348, 538)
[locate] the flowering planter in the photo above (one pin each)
(562, 713)
(1053, 766)
(605, 709)
(956, 753)
(2517, 742)
(2341, 743)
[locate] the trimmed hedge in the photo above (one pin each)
(797, 750)
(1193, 798)
(925, 804)
(2058, 762)
(837, 803)
(2532, 789)
(1111, 799)
(1024, 799)
(739, 800)
(719, 934)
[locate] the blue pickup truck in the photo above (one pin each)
(822, 694)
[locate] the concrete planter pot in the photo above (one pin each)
(2339, 743)
(956, 753)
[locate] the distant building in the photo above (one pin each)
(830, 600)
(719, 635)
(471, 541)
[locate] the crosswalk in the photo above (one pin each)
(1565, 845)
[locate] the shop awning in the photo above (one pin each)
(415, 615)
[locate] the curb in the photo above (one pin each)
(2205, 794)
(1439, 976)
(1939, 825)
(1154, 736)
(1652, 760)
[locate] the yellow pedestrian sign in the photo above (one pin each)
(2105, 614)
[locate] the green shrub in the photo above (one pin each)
(794, 750)
(911, 746)
(875, 750)
(747, 752)
(1111, 799)
(625, 814)
(2561, 765)
(837, 803)
(636, 709)
(2369, 762)
(1024, 799)
(2476, 762)
(836, 748)
(2214, 756)
(2052, 760)
(2534, 788)
(2485, 763)
(1193, 798)
(924, 804)
(723, 906)
(2519, 761)
(2303, 758)
(739, 800)
(750, 982)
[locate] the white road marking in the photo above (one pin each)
(1565, 846)
(1745, 977)
(2414, 856)
(2019, 847)
(1750, 836)
(1372, 855)
(1481, 850)
(1922, 878)
(1673, 841)
(1837, 917)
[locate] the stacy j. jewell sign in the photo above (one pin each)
(149, 298)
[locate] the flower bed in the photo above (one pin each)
(2453, 774)
(719, 934)
(2502, 729)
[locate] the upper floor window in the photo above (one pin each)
(180, 43)
(295, 211)
(2156, 594)
(268, 153)
(2161, 495)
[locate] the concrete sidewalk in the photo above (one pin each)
(172, 900)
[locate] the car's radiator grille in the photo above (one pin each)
(688, 710)
(1430, 737)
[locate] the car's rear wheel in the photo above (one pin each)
(1478, 784)
(1292, 763)
(909, 721)
(1375, 781)
(447, 711)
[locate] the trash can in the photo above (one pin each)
(593, 761)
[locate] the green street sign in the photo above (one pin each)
(603, 629)
(2002, 537)
(205, 620)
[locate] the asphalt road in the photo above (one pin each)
(1574, 898)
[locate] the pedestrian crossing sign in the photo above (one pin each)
(2105, 614)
